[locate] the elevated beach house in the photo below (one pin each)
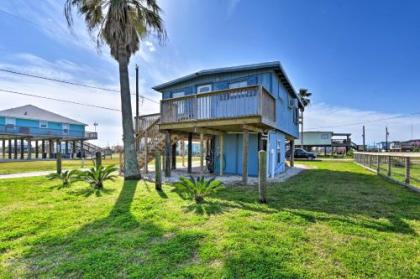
(234, 112)
(31, 132)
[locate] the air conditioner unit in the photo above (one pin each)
(293, 103)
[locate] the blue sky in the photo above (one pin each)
(359, 58)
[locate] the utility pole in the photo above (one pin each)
(386, 138)
(364, 138)
(137, 107)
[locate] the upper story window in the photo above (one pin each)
(203, 88)
(178, 94)
(43, 124)
(238, 84)
(10, 121)
(65, 128)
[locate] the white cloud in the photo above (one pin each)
(325, 117)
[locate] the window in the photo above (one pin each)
(325, 136)
(238, 84)
(10, 121)
(178, 94)
(296, 116)
(43, 124)
(278, 151)
(204, 88)
(65, 128)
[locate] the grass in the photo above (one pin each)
(32, 166)
(336, 220)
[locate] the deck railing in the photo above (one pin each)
(48, 132)
(403, 168)
(230, 103)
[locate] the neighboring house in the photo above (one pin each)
(409, 145)
(326, 140)
(237, 110)
(32, 125)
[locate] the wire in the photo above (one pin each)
(70, 82)
(365, 122)
(57, 100)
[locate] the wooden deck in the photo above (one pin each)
(226, 110)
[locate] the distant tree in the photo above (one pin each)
(304, 96)
(121, 24)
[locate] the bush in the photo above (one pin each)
(198, 188)
(97, 175)
(67, 177)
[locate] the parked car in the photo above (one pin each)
(302, 154)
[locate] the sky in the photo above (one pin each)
(360, 59)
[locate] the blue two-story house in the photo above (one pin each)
(32, 125)
(240, 110)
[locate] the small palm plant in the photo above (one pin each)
(97, 175)
(198, 188)
(67, 177)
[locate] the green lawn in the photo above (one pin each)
(336, 220)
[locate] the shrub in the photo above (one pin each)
(198, 188)
(67, 177)
(97, 175)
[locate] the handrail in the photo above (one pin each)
(395, 154)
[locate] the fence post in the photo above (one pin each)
(262, 175)
(407, 170)
(59, 162)
(378, 167)
(98, 158)
(158, 171)
(389, 166)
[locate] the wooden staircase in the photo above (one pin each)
(150, 139)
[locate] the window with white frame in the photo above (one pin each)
(203, 88)
(10, 121)
(238, 84)
(43, 124)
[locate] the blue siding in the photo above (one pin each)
(2, 120)
(27, 123)
(233, 154)
(274, 167)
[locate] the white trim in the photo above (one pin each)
(238, 84)
(203, 86)
(10, 121)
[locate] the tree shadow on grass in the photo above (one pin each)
(333, 196)
(121, 244)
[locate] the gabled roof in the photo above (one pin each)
(276, 66)
(36, 113)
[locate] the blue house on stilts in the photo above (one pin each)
(234, 112)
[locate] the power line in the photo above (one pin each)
(364, 122)
(70, 82)
(57, 100)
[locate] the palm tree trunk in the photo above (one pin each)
(131, 167)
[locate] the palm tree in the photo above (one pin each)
(121, 24)
(304, 97)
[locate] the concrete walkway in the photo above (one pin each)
(26, 174)
(226, 179)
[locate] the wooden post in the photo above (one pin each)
(58, 146)
(183, 152)
(59, 162)
(158, 171)
(22, 149)
(98, 158)
(174, 156)
(222, 154)
(167, 154)
(389, 165)
(4, 149)
(201, 153)
(73, 149)
(146, 151)
(189, 153)
(50, 148)
(262, 175)
(66, 147)
(82, 153)
(378, 167)
(292, 153)
(10, 149)
(407, 170)
(36, 149)
(245, 157)
(29, 149)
